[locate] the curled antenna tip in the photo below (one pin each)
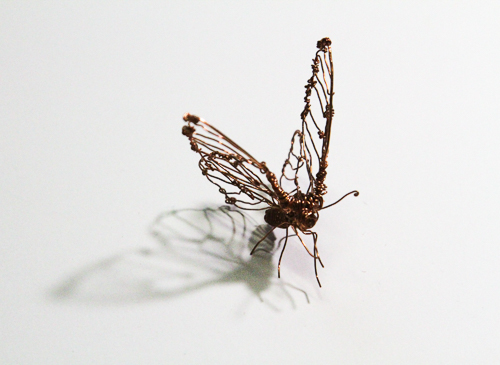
(354, 192)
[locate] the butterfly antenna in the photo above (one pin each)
(355, 192)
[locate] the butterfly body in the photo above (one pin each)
(299, 210)
(249, 184)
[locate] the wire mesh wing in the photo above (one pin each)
(239, 176)
(306, 162)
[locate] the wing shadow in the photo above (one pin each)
(198, 248)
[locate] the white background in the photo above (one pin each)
(91, 154)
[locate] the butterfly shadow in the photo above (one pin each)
(198, 249)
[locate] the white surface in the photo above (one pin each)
(91, 154)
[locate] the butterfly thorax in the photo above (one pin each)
(299, 210)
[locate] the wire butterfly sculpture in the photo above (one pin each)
(249, 184)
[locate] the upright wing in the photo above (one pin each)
(307, 158)
(225, 164)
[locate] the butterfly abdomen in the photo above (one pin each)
(276, 217)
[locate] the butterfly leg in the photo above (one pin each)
(262, 239)
(301, 241)
(315, 238)
(283, 238)
(316, 254)
(315, 235)
(283, 250)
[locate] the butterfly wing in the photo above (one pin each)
(307, 159)
(239, 176)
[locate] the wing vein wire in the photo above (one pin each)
(238, 175)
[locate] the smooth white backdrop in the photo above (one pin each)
(91, 154)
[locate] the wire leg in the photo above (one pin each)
(262, 239)
(283, 250)
(316, 257)
(315, 237)
(303, 244)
